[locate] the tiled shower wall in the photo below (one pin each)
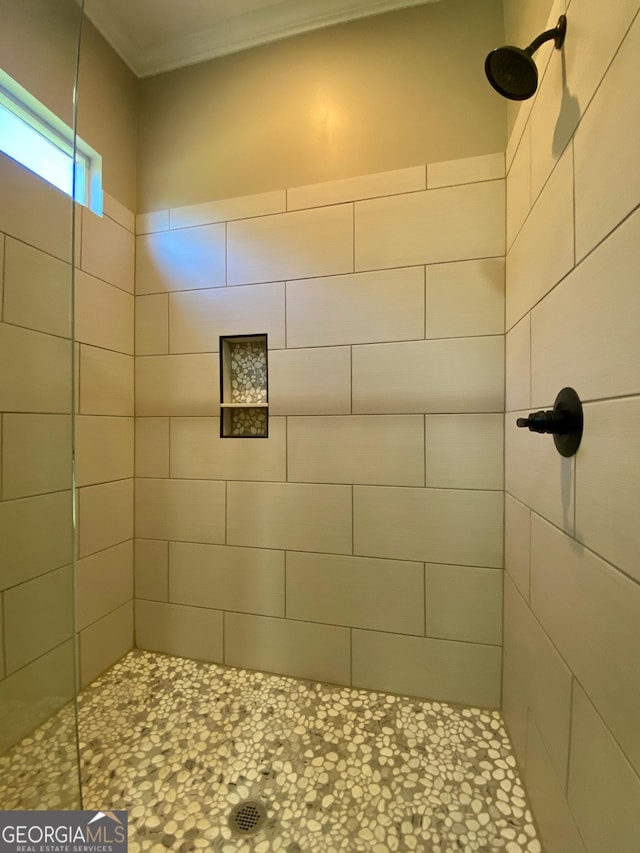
(361, 543)
(572, 595)
(36, 652)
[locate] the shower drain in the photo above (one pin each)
(247, 818)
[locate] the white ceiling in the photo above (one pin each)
(158, 35)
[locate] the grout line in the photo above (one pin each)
(565, 786)
(168, 591)
(424, 596)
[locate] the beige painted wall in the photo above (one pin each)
(382, 93)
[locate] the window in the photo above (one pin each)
(35, 137)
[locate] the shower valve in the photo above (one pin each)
(564, 422)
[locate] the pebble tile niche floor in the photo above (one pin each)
(178, 743)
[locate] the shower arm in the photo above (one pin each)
(557, 34)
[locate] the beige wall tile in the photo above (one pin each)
(106, 382)
(190, 632)
(353, 189)
(157, 220)
(543, 674)
(451, 224)
(35, 371)
(37, 290)
(519, 188)
(104, 582)
(36, 454)
(414, 666)
(104, 314)
(198, 452)
(198, 318)
(291, 245)
(375, 449)
(464, 451)
(537, 475)
(38, 616)
(189, 259)
(223, 210)
(467, 170)
(117, 211)
(186, 510)
(517, 539)
(105, 642)
(108, 250)
(152, 324)
(301, 649)
(465, 298)
(290, 515)
(177, 385)
(356, 309)
(515, 711)
(310, 381)
(2, 242)
(151, 569)
(518, 366)
(604, 792)
(434, 525)
(105, 515)
(600, 641)
(245, 580)
(2, 670)
(152, 447)
(383, 595)
(453, 375)
(554, 819)
(585, 333)
(35, 537)
(543, 251)
(104, 449)
(464, 603)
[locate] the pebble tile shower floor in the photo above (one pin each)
(178, 743)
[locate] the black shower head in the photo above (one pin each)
(512, 71)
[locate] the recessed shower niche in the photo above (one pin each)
(244, 393)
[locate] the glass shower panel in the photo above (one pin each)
(39, 44)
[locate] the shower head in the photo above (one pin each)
(512, 71)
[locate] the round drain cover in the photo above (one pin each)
(247, 817)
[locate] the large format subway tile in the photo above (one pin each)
(104, 314)
(38, 617)
(155, 220)
(518, 366)
(119, 212)
(454, 375)
(543, 674)
(608, 483)
(190, 632)
(519, 188)
(291, 245)
(355, 309)
(105, 516)
(106, 382)
(108, 250)
(2, 669)
(585, 333)
(198, 452)
(152, 324)
(198, 318)
(464, 451)
(290, 515)
(185, 510)
(542, 253)
(432, 525)
(152, 447)
(514, 708)
(465, 299)
(189, 259)
(464, 603)
(384, 595)
(466, 170)
(245, 580)
(37, 290)
(104, 642)
(36, 454)
(35, 371)
(604, 792)
(537, 475)
(517, 543)
(313, 381)
(177, 385)
(35, 537)
(301, 649)
(104, 581)
(451, 224)
(151, 569)
(354, 189)
(418, 666)
(224, 210)
(600, 640)
(104, 449)
(375, 449)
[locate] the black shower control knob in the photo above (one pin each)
(564, 422)
(553, 422)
